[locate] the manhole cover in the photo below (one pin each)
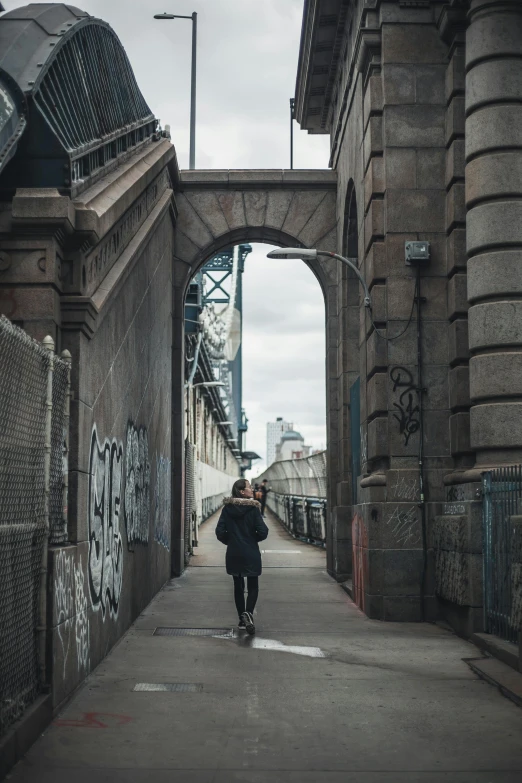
(223, 632)
(168, 687)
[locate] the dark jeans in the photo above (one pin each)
(239, 593)
(263, 505)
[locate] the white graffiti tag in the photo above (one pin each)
(404, 526)
(82, 619)
(162, 507)
(137, 485)
(63, 601)
(71, 609)
(105, 542)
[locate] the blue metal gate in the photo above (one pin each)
(502, 537)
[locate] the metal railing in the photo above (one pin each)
(89, 92)
(34, 396)
(304, 518)
(305, 477)
(502, 551)
(298, 495)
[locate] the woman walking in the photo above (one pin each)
(241, 527)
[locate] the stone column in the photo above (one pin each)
(494, 227)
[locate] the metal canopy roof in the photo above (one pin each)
(80, 92)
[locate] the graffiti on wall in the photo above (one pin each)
(404, 526)
(407, 410)
(71, 609)
(360, 559)
(82, 630)
(364, 446)
(137, 485)
(162, 502)
(105, 541)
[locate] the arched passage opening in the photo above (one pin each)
(200, 235)
(255, 326)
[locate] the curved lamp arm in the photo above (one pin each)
(309, 254)
(349, 262)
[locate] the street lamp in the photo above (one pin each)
(208, 383)
(194, 18)
(306, 254)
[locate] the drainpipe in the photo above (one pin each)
(420, 392)
(48, 344)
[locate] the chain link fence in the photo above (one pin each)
(305, 477)
(26, 499)
(59, 453)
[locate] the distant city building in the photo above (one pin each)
(291, 446)
(274, 432)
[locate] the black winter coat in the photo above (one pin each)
(241, 527)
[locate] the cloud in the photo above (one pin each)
(247, 62)
(283, 348)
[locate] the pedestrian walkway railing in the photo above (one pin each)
(298, 495)
(502, 551)
(34, 424)
(304, 518)
(305, 477)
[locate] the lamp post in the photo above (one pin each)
(194, 18)
(306, 254)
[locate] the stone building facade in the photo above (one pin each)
(422, 100)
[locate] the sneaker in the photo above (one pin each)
(241, 625)
(249, 623)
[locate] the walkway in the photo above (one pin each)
(389, 703)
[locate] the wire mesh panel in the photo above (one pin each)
(24, 368)
(502, 551)
(59, 464)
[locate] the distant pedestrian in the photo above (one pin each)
(241, 527)
(265, 489)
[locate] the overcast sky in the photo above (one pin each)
(247, 63)
(283, 349)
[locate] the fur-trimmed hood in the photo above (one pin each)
(241, 502)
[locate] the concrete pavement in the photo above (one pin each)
(387, 703)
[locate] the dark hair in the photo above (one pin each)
(265, 481)
(238, 486)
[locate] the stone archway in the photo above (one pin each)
(216, 209)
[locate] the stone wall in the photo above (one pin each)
(286, 208)
(390, 157)
(422, 103)
(97, 275)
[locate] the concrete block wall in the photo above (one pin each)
(494, 227)
(428, 133)
(120, 468)
(404, 161)
(96, 274)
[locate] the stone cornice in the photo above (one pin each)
(85, 313)
(257, 179)
(78, 313)
(321, 41)
(82, 223)
(452, 21)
